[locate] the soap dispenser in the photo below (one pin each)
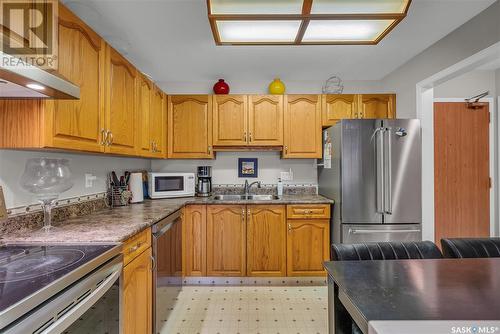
(280, 188)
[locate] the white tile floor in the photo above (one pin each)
(246, 310)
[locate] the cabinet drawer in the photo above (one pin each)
(134, 246)
(301, 211)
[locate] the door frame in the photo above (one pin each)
(425, 112)
(492, 165)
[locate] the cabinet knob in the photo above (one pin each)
(245, 137)
(109, 137)
(210, 150)
(286, 149)
(250, 136)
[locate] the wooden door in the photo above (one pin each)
(195, 240)
(121, 105)
(266, 240)
(302, 125)
(308, 246)
(265, 120)
(144, 98)
(158, 124)
(138, 295)
(226, 240)
(377, 106)
(78, 124)
(461, 171)
(190, 126)
(336, 107)
(230, 114)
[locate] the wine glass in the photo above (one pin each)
(46, 178)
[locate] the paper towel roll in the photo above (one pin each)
(135, 185)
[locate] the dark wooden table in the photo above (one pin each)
(447, 289)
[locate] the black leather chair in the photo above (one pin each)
(385, 251)
(471, 247)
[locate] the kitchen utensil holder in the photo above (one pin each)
(118, 195)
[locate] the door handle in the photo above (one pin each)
(109, 137)
(352, 231)
(250, 137)
(104, 137)
(388, 172)
(153, 264)
(379, 157)
(289, 228)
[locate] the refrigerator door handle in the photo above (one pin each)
(388, 171)
(379, 156)
(353, 231)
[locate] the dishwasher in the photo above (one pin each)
(167, 268)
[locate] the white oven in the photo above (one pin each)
(165, 185)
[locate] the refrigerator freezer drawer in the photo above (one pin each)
(352, 234)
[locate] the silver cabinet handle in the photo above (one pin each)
(289, 228)
(250, 136)
(286, 149)
(243, 214)
(103, 137)
(134, 248)
(245, 137)
(109, 137)
(153, 264)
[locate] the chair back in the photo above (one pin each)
(471, 247)
(386, 251)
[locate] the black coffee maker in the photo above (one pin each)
(204, 186)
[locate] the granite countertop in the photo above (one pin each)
(119, 224)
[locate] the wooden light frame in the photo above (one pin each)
(305, 17)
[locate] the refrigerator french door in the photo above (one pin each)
(374, 177)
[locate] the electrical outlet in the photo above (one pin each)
(286, 176)
(89, 180)
(3, 209)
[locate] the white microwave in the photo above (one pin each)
(166, 185)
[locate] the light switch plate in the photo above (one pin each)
(3, 209)
(286, 176)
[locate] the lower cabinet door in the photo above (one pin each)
(308, 246)
(194, 243)
(226, 240)
(266, 240)
(137, 295)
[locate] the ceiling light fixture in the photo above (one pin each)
(304, 22)
(35, 86)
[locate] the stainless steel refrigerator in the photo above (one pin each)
(372, 170)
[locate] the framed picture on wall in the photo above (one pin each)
(248, 167)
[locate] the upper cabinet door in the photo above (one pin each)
(144, 99)
(158, 123)
(265, 120)
(377, 106)
(77, 124)
(190, 126)
(230, 120)
(338, 106)
(302, 122)
(121, 104)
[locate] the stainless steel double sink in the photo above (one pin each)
(245, 197)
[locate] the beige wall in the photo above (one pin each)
(467, 85)
(497, 81)
(475, 35)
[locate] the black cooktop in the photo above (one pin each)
(28, 269)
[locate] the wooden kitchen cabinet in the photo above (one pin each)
(194, 240)
(138, 294)
(338, 106)
(230, 118)
(302, 126)
(158, 123)
(377, 106)
(266, 240)
(308, 246)
(265, 120)
(226, 240)
(120, 111)
(144, 122)
(190, 126)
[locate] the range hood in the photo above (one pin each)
(28, 81)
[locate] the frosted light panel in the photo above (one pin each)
(257, 31)
(345, 31)
(358, 6)
(256, 6)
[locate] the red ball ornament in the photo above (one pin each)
(221, 87)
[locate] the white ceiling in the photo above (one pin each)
(171, 41)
